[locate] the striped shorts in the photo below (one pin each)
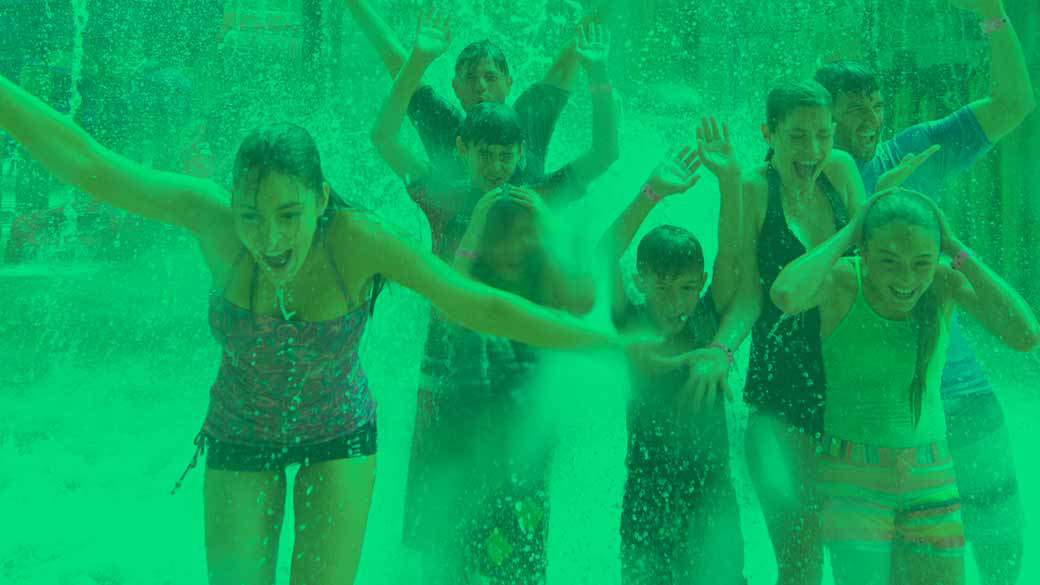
(888, 510)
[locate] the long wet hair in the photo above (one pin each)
(290, 150)
(501, 217)
(906, 206)
(788, 97)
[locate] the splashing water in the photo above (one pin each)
(110, 364)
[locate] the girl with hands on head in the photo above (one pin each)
(884, 426)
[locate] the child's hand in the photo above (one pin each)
(708, 379)
(676, 174)
(534, 203)
(432, 34)
(948, 242)
(593, 48)
(715, 150)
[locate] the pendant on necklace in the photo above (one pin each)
(280, 293)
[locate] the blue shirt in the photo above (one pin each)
(963, 141)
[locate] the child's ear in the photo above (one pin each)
(460, 146)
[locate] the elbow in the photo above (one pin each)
(784, 299)
(1030, 339)
(604, 157)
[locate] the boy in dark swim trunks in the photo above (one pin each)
(680, 519)
(482, 74)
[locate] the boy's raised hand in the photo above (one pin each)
(593, 48)
(433, 33)
(676, 174)
(716, 151)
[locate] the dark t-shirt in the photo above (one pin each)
(438, 122)
(662, 432)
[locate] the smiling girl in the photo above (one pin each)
(295, 275)
(892, 512)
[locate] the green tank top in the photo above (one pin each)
(869, 363)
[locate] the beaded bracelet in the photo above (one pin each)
(994, 24)
(465, 253)
(648, 192)
(726, 350)
(959, 259)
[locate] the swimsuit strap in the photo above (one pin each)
(335, 269)
(841, 213)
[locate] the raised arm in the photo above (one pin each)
(464, 301)
(71, 155)
(674, 175)
(985, 295)
(564, 68)
(717, 154)
(432, 39)
(379, 35)
(593, 48)
(472, 239)
(809, 279)
(1011, 95)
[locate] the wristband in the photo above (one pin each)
(959, 259)
(465, 253)
(726, 350)
(648, 192)
(600, 88)
(994, 24)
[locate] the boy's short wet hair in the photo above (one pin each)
(848, 76)
(491, 123)
(668, 250)
(475, 52)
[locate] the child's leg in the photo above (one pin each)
(243, 512)
(931, 549)
(860, 507)
(782, 464)
(988, 484)
(645, 514)
(714, 543)
(332, 500)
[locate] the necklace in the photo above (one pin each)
(280, 293)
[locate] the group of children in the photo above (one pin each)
(871, 428)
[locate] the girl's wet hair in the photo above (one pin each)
(909, 207)
(788, 97)
(290, 150)
(848, 76)
(491, 123)
(474, 53)
(668, 250)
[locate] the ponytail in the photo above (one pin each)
(926, 315)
